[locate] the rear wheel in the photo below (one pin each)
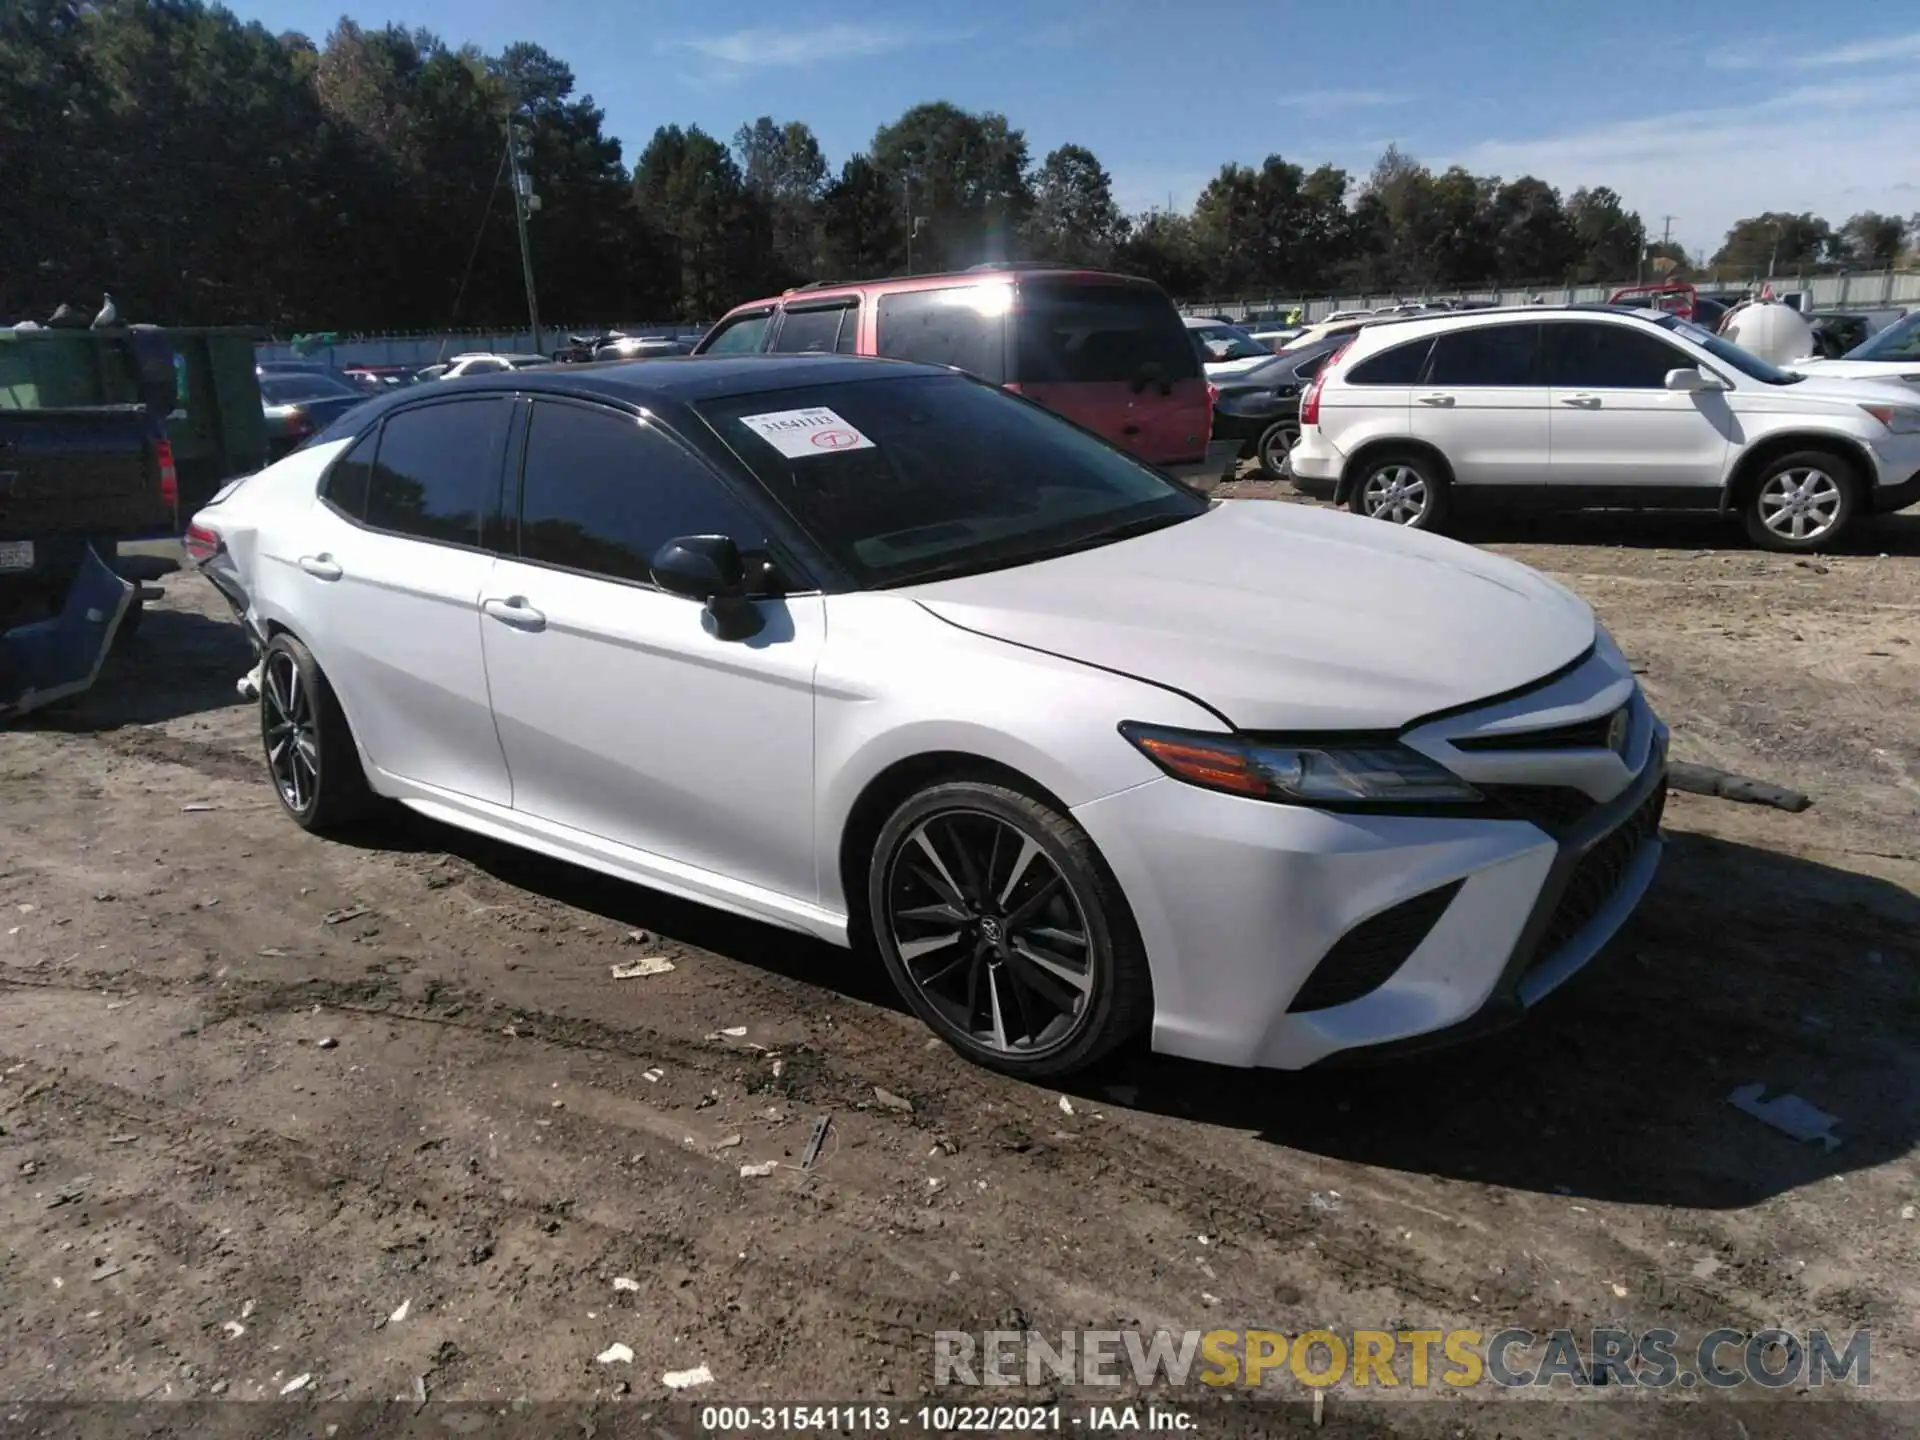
(1273, 446)
(1004, 930)
(1404, 487)
(310, 751)
(1803, 501)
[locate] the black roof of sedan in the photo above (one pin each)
(667, 381)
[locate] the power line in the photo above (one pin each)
(474, 253)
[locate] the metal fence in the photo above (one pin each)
(418, 350)
(1871, 290)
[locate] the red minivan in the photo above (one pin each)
(1109, 352)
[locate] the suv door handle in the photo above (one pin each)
(321, 567)
(1129, 429)
(515, 611)
(1585, 402)
(1436, 399)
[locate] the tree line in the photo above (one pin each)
(209, 171)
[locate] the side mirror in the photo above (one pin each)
(1692, 381)
(708, 568)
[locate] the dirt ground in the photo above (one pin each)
(264, 1092)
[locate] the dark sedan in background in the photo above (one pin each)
(302, 403)
(1261, 407)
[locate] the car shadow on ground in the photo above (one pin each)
(636, 907)
(177, 663)
(1743, 965)
(1645, 530)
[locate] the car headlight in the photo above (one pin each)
(1364, 773)
(1900, 419)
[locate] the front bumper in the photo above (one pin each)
(1888, 498)
(1245, 906)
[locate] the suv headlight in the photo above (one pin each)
(1900, 419)
(1363, 773)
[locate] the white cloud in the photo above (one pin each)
(1329, 100)
(1888, 49)
(1831, 149)
(786, 47)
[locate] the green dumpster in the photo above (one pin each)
(216, 429)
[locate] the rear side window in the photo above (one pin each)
(814, 332)
(1487, 355)
(738, 337)
(1399, 366)
(602, 493)
(1099, 334)
(436, 473)
(964, 327)
(345, 485)
(1590, 355)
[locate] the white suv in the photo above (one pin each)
(1582, 408)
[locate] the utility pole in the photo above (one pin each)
(525, 202)
(906, 207)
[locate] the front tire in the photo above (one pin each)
(1403, 487)
(1802, 502)
(1005, 931)
(315, 765)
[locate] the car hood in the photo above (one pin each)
(1890, 371)
(1281, 617)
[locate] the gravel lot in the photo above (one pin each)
(262, 1090)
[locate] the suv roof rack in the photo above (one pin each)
(1023, 265)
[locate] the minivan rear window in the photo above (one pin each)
(1099, 333)
(962, 326)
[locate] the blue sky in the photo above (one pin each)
(1725, 112)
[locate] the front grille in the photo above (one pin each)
(1363, 959)
(1598, 874)
(1553, 808)
(1580, 735)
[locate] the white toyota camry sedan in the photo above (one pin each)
(879, 653)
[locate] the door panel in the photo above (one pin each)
(395, 623)
(1483, 406)
(1615, 425)
(620, 711)
(623, 716)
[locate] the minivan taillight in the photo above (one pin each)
(169, 476)
(202, 543)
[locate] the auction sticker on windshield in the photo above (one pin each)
(797, 434)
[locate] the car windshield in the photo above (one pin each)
(1727, 353)
(292, 389)
(1900, 342)
(1223, 342)
(926, 476)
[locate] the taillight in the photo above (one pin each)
(169, 477)
(1310, 401)
(202, 543)
(1213, 403)
(299, 422)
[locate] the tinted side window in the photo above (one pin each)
(964, 327)
(602, 493)
(812, 332)
(438, 470)
(1100, 333)
(741, 337)
(345, 486)
(481, 367)
(1616, 357)
(1488, 355)
(1399, 366)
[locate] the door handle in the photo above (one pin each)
(321, 567)
(1585, 402)
(1436, 399)
(1129, 429)
(515, 611)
